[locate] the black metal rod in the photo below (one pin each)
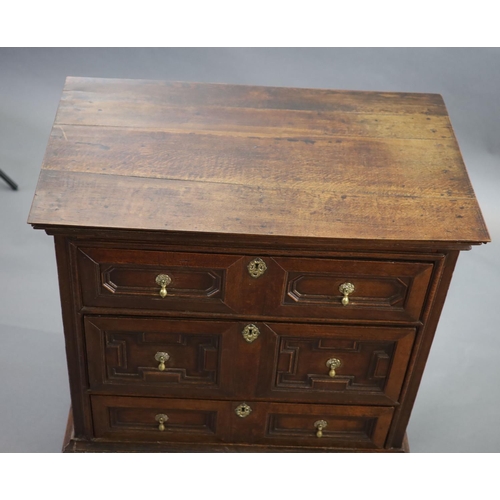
(8, 180)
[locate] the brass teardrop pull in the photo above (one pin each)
(163, 280)
(161, 418)
(161, 357)
(320, 425)
(333, 364)
(346, 289)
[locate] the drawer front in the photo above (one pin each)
(284, 287)
(333, 364)
(124, 278)
(299, 425)
(157, 419)
(383, 290)
(213, 359)
(174, 420)
(160, 356)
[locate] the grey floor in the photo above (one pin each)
(458, 406)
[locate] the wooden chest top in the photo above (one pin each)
(234, 159)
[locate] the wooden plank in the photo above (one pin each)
(84, 199)
(351, 166)
(247, 121)
(187, 94)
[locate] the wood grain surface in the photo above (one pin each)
(234, 159)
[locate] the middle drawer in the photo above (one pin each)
(267, 361)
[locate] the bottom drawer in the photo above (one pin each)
(275, 424)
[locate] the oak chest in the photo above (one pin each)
(249, 268)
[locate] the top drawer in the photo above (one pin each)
(287, 287)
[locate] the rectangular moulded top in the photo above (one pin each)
(249, 160)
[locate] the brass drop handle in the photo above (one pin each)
(161, 357)
(163, 280)
(333, 364)
(161, 418)
(346, 289)
(320, 425)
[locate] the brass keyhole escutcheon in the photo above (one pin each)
(333, 364)
(320, 425)
(250, 333)
(257, 267)
(243, 410)
(161, 418)
(163, 280)
(346, 289)
(161, 357)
